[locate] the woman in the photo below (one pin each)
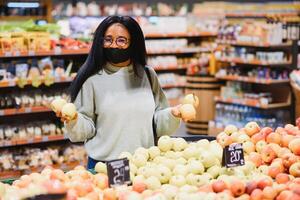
(115, 99)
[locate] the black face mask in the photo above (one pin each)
(116, 55)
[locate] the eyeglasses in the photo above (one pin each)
(120, 41)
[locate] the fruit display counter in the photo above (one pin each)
(176, 169)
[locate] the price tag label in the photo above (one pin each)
(27, 110)
(8, 54)
(2, 112)
(31, 53)
(118, 172)
(233, 155)
(17, 53)
(57, 51)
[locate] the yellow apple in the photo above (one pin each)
(69, 110)
(153, 183)
(153, 152)
(57, 104)
(191, 99)
(100, 167)
(229, 129)
(195, 167)
(179, 144)
(177, 180)
(165, 143)
(187, 112)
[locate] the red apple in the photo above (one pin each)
(54, 187)
(294, 146)
(92, 196)
(257, 137)
(243, 197)
(294, 187)
(291, 129)
(139, 187)
(286, 139)
(274, 138)
(269, 192)
(250, 186)
(281, 130)
(285, 195)
(255, 158)
(206, 188)
(219, 186)
(289, 159)
(109, 194)
(273, 171)
(283, 151)
(71, 194)
(257, 194)
(237, 188)
(295, 169)
(266, 131)
(223, 139)
(101, 181)
(264, 182)
(268, 154)
(251, 128)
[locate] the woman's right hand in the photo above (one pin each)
(65, 118)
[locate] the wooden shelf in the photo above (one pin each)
(251, 44)
(175, 35)
(15, 174)
(56, 52)
(253, 62)
(168, 86)
(24, 110)
(251, 79)
(13, 83)
(251, 103)
(62, 52)
(22, 18)
(171, 67)
(179, 51)
(35, 140)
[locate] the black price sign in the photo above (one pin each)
(233, 155)
(118, 172)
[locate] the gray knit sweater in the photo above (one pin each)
(115, 111)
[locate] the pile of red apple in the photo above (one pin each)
(177, 170)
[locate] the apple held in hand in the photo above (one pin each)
(57, 104)
(191, 99)
(69, 111)
(187, 112)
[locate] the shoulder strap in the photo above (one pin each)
(153, 123)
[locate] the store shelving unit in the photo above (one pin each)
(280, 89)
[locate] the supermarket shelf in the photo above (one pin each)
(254, 62)
(251, 103)
(13, 83)
(251, 79)
(251, 44)
(180, 35)
(35, 140)
(258, 15)
(168, 86)
(61, 52)
(179, 51)
(24, 110)
(11, 175)
(171, 67)
(23, 18)
(55, 52)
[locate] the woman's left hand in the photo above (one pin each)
(176, 112)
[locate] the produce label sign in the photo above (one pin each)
(118, 172)
(233, 155)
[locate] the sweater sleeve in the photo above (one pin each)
(166, 123)
(83, 127)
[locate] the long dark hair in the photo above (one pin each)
(96, 59)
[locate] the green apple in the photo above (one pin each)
(191, 152)
(195, 167)
(181, 161)
(153, 183)
(214, 171)
(179, 144)
(164, 174)
(208, 159)
(139, 159)
(170, 191)
(165, 143)
(133, 168)
(142, 150)
(188, 189)
(153, 152)
(180, 170)
(100, 167)
(170, 163)
(178, 180)
(125, 154)
(204, 144)
(158, 159)
(260, 145)
(138, 178)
